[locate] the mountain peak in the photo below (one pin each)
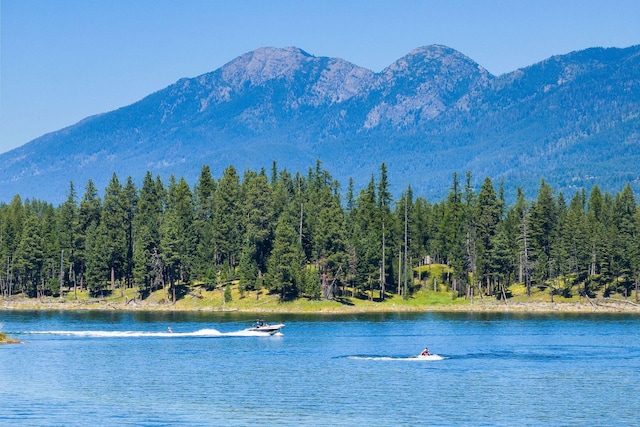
(434, 59)
(265, 64)
(433, 51)
(425, 83)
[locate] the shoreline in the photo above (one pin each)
(600, 305)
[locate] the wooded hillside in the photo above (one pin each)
(297, 236)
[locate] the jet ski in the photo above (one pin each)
(427, 355)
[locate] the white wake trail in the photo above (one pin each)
(430, 358)
(210, 333)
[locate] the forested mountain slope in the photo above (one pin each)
(571, 119)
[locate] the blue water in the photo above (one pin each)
(113, 368)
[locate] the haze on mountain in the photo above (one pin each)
(572, 119)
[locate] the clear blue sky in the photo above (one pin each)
(63, 60)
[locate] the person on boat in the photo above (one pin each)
(425, 352)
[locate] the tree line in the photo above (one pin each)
(302, 236)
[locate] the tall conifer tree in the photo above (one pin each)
(113, 220)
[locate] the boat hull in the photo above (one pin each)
(267, 329)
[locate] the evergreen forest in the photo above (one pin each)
(305, 236)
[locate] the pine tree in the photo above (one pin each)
(310, 284)
(452, 234)
(13, 227)
(249, 274)
(329, 243)
(129, 205)
(597, 232)
(114, 220)
(575, 238)
(204, 205)
(29, 256)
(260, 222)
(367, 238)
(522, 211)
(559, 257)
(421, 228)
(146, 227)
(178, 238)
(384, 222)
(544, 216)
(97, 258)
(502, 259)
(350, 197)
(4, 251)
(67, 231)
(487, 220)
(636, 257)
(227, 219)
(89, 214)
(628, 241)
(609, 269)
(286, 260)
(50, 283)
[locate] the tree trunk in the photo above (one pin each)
(332, 287)
(72, 276)
(399, 270)
(383, 274)
(300, 227)
(165, 294)
(61, 271)
(520, 270)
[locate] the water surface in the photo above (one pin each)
(115, 368)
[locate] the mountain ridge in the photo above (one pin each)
(432, 112)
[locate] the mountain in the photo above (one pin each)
(571, 119)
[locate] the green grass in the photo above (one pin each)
(198, 298)
(429, 297)
(263, 301)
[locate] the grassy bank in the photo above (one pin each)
(433, 295)
(200, 299)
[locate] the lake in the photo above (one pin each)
(124, 368)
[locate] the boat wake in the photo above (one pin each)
(205, 333)
(430, 358)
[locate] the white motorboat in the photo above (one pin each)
(262, 326)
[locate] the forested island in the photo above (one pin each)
(304, 237)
